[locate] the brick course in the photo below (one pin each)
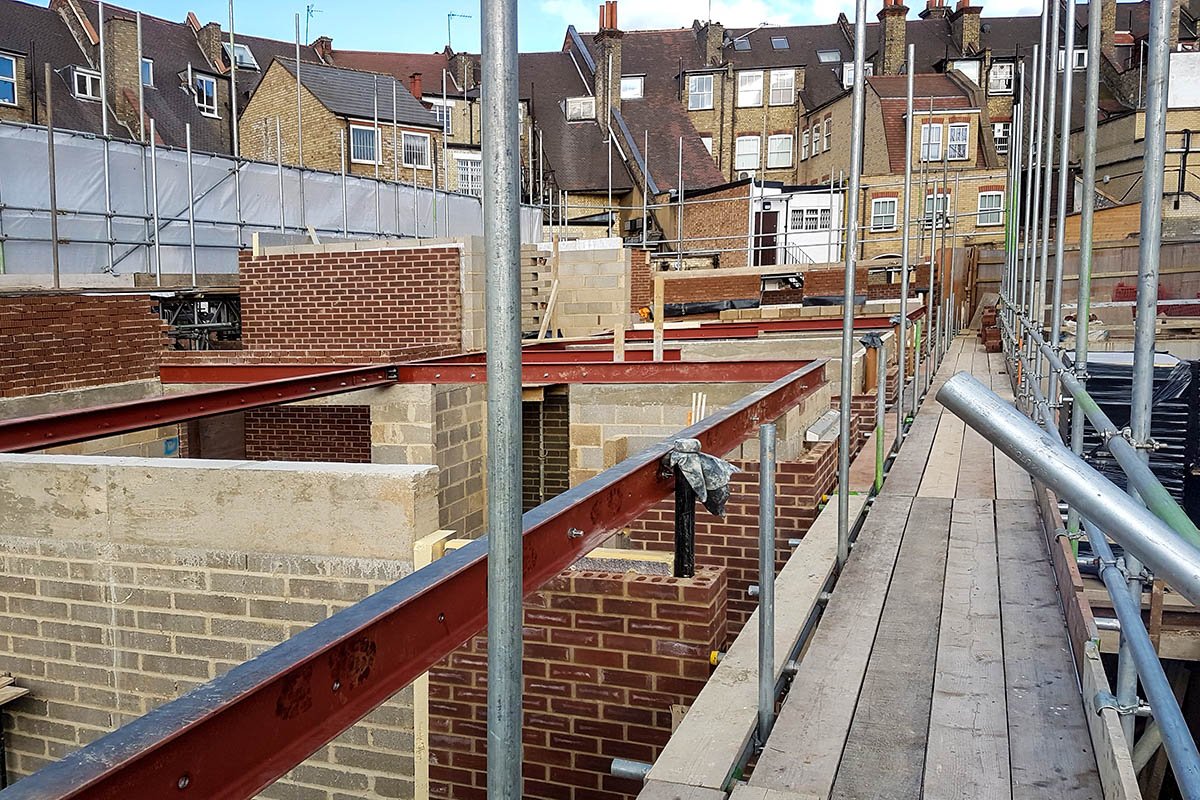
(309, 433)
(606, 657)
(717, 287)
(641, 280)
(49, 343)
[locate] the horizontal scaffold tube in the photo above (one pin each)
(1075, 481)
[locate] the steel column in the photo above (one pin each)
(766, 581)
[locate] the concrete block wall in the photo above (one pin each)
(351, 302)
(52, 342)
(593, 290)
(732, 543)
(608, 656)
(308, 433)
(161, 575)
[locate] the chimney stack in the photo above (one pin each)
(323, 45)
(607, 79)
(414, 85)
(935, 9)
(966, 27)
(893, 33)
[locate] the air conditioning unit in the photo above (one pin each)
(744, 174)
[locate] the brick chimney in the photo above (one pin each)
(462, 66)
(935, 9)
(124, 73)
(210, 39)
(893, 30)
(1108, 30)
(323, 45)
(414, 85)
(711, 38)
(965, 26)
(607, 87)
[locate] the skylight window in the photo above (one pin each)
(779, 43)
(244, 58)
(741, 44)
(829, 56)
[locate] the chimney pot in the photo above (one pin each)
(612, 14)
(414, 85)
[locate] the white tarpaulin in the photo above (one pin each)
(327, 202)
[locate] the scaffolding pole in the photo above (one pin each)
(902, 343)
(1064, 159)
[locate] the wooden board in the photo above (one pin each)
(1108, 740)
(941, 472)
(968, 755)
(1050, 749)
(805, 746)
(657, 790)
(1012, 482)
(706, 747)
(905, 475)
(886, 745)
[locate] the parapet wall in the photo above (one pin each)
(127, 582)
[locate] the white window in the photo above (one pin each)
(241, 55)
(470, 175)
(991, 208)
(848, 72)
(1079, 62)
(957, 145)
(779, 43)
(745, 155)
(581, 108)
(700, 92)
(935, 210)
(810, 219)
(1000, 135)
(816, 139)
(829, 56)
(87, 84)
(883, 214)
(364, 144)
(632, 88)
(707, 142)
(8, 80)
(750, 88)
(415, 150)
(779, 151)
(148, 72)
(783, 87)
(742, 43)
(931, 142)
(1000, 78)
(825, 216)
(445, 114)
(205, 87)
(804, 146)
(828, 134)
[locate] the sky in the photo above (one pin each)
(414, 26)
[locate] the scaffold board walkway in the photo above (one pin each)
(941, 667)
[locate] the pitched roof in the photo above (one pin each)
(264, 51)
(353, 93)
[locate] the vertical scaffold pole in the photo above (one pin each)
(1064, 160)
(1154, 162)
(902, 343)
(52, 176)
(766, 580)
(1051, 56)
(852, 192)
(191, 184)
(501, 218)
(154, 204)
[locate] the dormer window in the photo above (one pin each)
(205, 89)
(581, 108)
(86, 84)
(848, 72)
(1000, 78)
(241, 56)
(632, 87)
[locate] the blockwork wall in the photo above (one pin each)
(607, 656)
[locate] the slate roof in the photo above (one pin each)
(353, 93)
(403, 65)
(265, 51)
(942, 91)
(26, 29)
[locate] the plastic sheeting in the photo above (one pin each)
(372, 209)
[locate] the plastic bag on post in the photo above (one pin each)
(707, 475)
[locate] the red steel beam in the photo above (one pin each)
(608, 372)
(242, 373)
(80, 425)
(234, 736)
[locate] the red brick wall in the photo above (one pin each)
(606, 656)
(309, 433)
(351, 306)
(831, 282)
(718, 287)
(641, 281)
(732, 543)
(49, 343)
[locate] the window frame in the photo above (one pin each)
(804, 146)
(791, 144)
(929, 219)
(816, 139)
(998, 211)
(738, 154)
(428, 139)
(446, 116)
(89, 76)
(143, 73)
(951, 129)
(11, 81)
(742, 43)
(707, 141)
(581, 102)
(775, 40)
(231, 57)
(693, 93)
(829, 56)
(477, 160)
(198, 78)
(641, 87)
(927, 143)
(790, 88)
(1006, 138)
(877, 216)
(1006, 86)
(828, 134)
(742, 90)
(362, 126)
